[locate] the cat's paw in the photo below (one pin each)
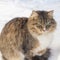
(43, 57)
(39, 53)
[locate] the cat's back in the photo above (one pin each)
(15, 24)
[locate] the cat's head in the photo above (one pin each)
(41, 22)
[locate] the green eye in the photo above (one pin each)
(48, 26)
(39, 26)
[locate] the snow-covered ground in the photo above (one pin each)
(17, 8)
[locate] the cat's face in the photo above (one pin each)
(41, 22)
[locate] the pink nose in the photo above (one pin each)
(44, 29)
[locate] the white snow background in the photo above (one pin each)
(18, 8)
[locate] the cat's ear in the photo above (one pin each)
(34, 14)
(33, 11)
(50, 13)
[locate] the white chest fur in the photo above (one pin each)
(44, 41)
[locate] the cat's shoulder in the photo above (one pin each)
(18, 22)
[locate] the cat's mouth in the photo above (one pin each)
(42, 32)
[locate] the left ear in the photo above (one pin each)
(34, 14)
(50, 13)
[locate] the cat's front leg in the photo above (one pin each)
(42, 52)
(34, 55)
(37, 51)
(45, 56)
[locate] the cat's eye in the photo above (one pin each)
(39, 26)
(48, 23)
(48, 26)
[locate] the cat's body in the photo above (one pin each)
(27, 37)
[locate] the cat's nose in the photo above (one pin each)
(44, 29)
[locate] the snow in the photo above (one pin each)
(18, 8)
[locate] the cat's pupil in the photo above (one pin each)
(48, 26)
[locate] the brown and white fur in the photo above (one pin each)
(27, 37)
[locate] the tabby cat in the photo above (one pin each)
(27, 37)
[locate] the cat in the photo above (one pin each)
(24, 37)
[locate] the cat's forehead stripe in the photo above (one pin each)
(43, 17)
